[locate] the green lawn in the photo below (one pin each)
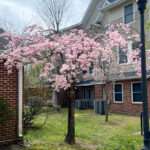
(92, 133)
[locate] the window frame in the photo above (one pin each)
(130, 48)
(118, 51)
(114, 100)
(124, 13)
(134, 102)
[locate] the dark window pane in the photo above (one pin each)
(137, 92)
(86, 93)
(137, 87)
(135, 45)
(129, 9)
(91, 69)
(137, 97)
(128, 18)
(123, 59)
(118, 97)
(118, 88)
(80, 93)
(92, 93)
(122, 56)
(128, 12)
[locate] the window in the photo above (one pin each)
(91, 69)
(136, 45)
(86, 93)
(118, 93)
(123, 58)
(123, 54)
(136, 92)
(128, 13)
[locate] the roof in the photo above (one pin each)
(75, 26)
(49, 32)
(114, 77)
(89, 83)
(95, 10)
(93, 7)
(111, 4)
(128, 76)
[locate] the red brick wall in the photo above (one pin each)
(127, 106)
(98, 92)
(8, 91)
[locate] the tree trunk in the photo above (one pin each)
(70, 137)
(107, 111)
(108, 103)
(107, 116)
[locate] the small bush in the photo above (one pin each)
(5, 111)
(33, 108)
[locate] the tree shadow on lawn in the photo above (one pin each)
(80, 145)
(12, 147)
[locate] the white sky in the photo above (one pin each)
(20, 13)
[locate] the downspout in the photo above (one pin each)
(20, 103)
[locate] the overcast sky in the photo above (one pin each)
(20, 13)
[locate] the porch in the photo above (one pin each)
(85, 97)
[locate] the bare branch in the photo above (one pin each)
(52, 12)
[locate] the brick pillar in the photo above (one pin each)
(98, 92)
(8, 92)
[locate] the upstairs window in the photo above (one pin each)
(136, 45)
(118, 93)
(91, 68)
(136, 92)
(128, 13)
(123, 58)
(123, 54)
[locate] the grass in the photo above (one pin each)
(92, 132)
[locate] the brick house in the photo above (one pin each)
(11, 91)
(125, 92)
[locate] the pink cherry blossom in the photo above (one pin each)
(66, 56)
(61, 83)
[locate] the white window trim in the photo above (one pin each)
(134, 13)
(133, 102)
(130, 48)
(116, 102)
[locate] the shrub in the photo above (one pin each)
(5, 111)
(33, 108)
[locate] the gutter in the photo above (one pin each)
(20, 103)
(90, 84)
(101, 83)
